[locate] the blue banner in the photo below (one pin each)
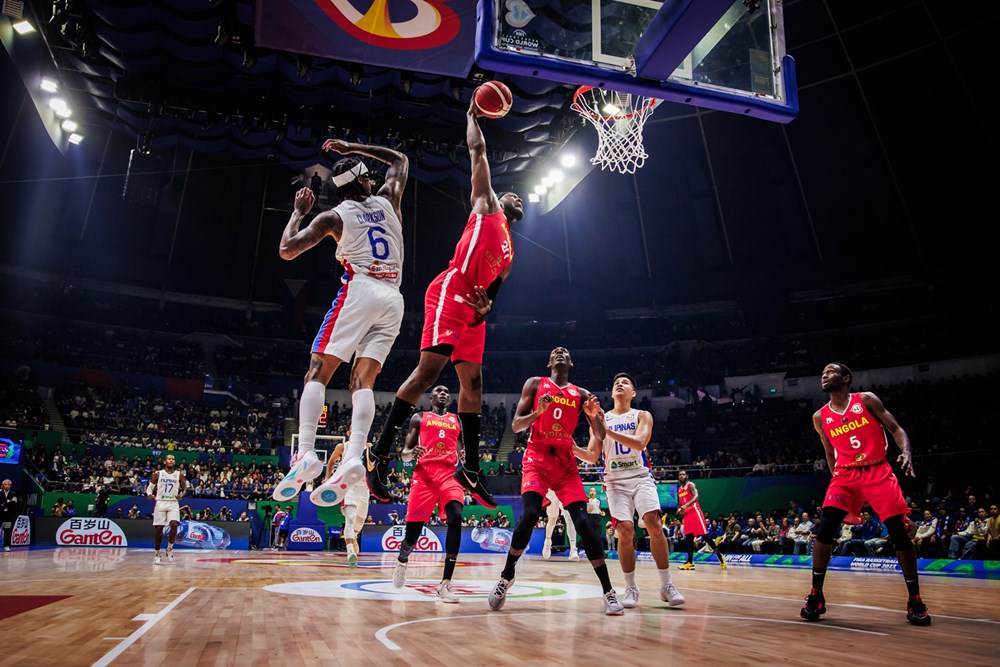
(434, 36)
(376, 539)
(976, 569)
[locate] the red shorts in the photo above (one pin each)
(694, 521)
(850, 488)
(448, 320)
(545, 467)
(432, 486)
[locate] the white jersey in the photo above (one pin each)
(621, 462)
(372, 239)
(168, 485)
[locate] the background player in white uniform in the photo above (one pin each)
(364, 319)
(167, 487)
(355, 507)
(552, 511)
(631, 488)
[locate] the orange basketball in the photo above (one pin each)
(493, 99)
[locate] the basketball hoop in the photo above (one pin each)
(619, 119)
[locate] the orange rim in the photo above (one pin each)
(596, 116)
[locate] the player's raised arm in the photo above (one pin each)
(295, 241)
(591, 408)
(483, 199)
(395, 177)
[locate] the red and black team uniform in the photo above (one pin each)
(482, 254)
(861, 472)
(549, 462)
(433, 481)
(694, 518)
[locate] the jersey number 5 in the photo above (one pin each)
(855, 443)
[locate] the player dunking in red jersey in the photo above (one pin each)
(551, 407)
(454, 307)
(695, 524)
(434, 438)
(852, 428)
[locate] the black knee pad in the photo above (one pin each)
(897, 533)
(829, 525)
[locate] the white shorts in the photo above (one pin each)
(165, 511)
(364, 319)
(626, 497)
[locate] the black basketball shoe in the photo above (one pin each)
(377, 476)
(916, 611)
(814, 607)
(474, 483)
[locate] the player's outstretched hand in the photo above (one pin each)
(336, 146)
(905, 461)
(592, 407)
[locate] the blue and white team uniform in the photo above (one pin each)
(630, 486)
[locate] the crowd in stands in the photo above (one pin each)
(20, 405)
(207, 477)
(131, 418)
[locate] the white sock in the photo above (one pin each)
(630, 579)
(664, 576)
(310, 407)
(570, 530)
(362, 415)
(350, 548)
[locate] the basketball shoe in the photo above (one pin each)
(474, 483)
(170, 556)
(399, 575)
(672, 596)
(686, 566)
(815, 606)
(631, 598)
(916, 611)
(352, 556)
(612, 607)
(722, 561)
(305, 467)
(445, 594)
(574, 554)
(499, 594)
(547, 550)
(377, 476)
(332, 491)
(157, 560)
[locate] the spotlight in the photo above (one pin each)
(568, 160)
(70, 125)
(49, 86)
(556, 176)
(533, 198)
(23, 28)
(75, 138)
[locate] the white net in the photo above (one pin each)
(618, 119)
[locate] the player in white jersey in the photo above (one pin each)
(167, 487)
(365, 317)
(631, 488)
(355, 507)
(552, 511)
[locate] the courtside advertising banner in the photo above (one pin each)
(138, 533)
(432, 539)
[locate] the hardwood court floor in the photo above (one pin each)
(281, 608)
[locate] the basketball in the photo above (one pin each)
(493, 99)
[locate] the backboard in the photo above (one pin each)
(718, 54)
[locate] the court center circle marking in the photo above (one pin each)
(382, 634)
(424, 590)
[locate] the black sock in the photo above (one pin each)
(912, 586)
(404, 551)
(508, 568)
(818, 577)
(449, 567)
(602, 573)
(398, 414)
(471, 424)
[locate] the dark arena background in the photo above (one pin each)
(812, 186)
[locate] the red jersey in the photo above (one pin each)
(555, 426)
(858, 438)
(439, 438)
(484, 251)
(684, 496)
